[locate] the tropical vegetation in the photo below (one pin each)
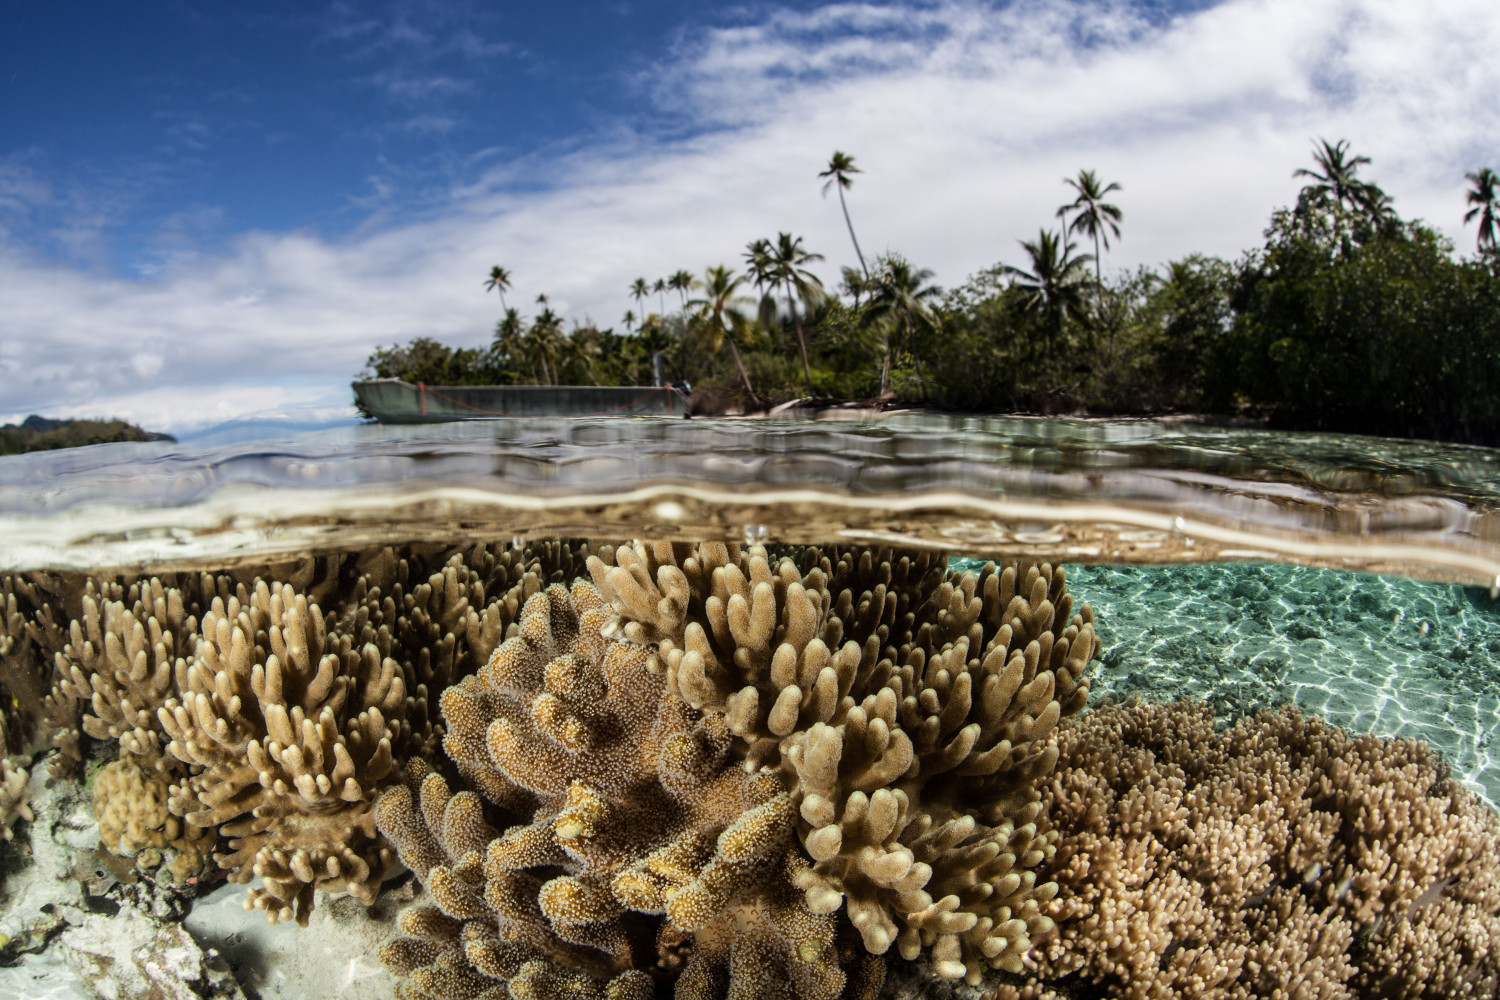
(1348, 317)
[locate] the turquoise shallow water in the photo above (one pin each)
(1379, 654)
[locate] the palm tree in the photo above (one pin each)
(1054, 285)
(852, 284)
(1486, 201)
(788, 260)
(660, 288)
(508, 338)
(840, 166)
(1339, 178)
(682, 282)
(760, 269)
(900, 296)
(545, 342)
(629, 321)
(1095, 218)
(639, 289)
(499, 281)
(721, 311)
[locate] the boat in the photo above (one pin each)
(394, 401)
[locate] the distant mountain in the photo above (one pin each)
(37, 433)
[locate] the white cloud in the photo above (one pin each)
(964, 118)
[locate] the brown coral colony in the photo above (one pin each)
(730, 772)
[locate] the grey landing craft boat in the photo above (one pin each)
(392, 401)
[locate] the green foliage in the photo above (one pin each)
(41, 434)
(1347, 318)
(1353, 324)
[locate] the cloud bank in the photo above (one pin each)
(963, 116)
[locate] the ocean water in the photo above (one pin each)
(1354, 578)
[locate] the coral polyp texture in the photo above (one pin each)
(130, 803)
(909, 713)
(1278, 858)
(707, 757)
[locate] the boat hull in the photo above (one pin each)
(392, 401)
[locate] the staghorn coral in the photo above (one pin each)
(638, 809)
(14, 796)
(910, 712)
(1278, 858)
(130, 803)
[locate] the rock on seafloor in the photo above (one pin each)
(138, 958)
(75, 927)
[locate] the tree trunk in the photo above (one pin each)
(741, 366)
(885, 358)
(801, 341)
(852, 239)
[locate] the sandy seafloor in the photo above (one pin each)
(1392, 656)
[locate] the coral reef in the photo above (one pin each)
(290, 733)
(685, 735)
(14, 796)
(30, 636)
(276, 719)
(130, 803)
(126, 655)
(910, 713)
(1281, 857)
(636, 808)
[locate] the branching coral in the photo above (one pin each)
(125, 657)
(276, 723)
(31, 634)
(130, 803)
(14, 796)
(638, 808)
(1278, 858)
(290, 733)
(911, 714)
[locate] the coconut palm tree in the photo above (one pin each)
(1339, 177)
(1095, 218)
(639, 289)
(660, 288)
(788, 261)
(545, 342)
(760, 270)
(1053, 288)
(682, 282)
(1485, 198)
(852, 283)
(506, 346)
(900, 296)
(840, 166)
(500, 282)
(721, 311)
(629, 321)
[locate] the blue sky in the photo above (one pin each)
(209, 210)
